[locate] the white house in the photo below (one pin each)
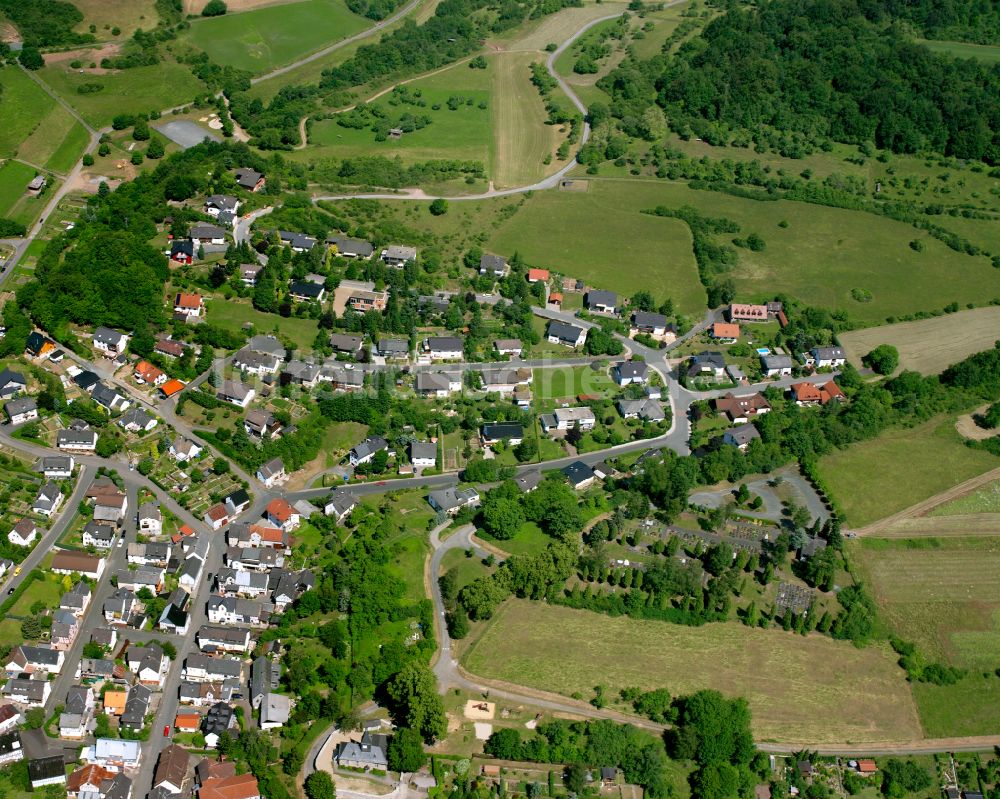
(181, 450)
(21, 410)
(828, 357)
(437, 384)
(272, 472)
(109, 341)
(444, 348)
(23, 534)
(566, 334)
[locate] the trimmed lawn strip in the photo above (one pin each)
(232, 315)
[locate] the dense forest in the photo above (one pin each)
(835, 70)
(46, 23)
(963, 20)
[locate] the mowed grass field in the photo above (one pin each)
(599, 236)
(982, 500)
(124, 14)
(521, 137)
(268, 37)
(25, 104)
(233, 315)
(929, 346)
(14, 180)
(803, 689)
(57, 143)
(988, 54)
(874, 479)
(463, 134)
(142, 89)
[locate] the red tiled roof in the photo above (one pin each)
(538, 274)
(280, 510)
(171, 387)
(192, 301)
(242, 786)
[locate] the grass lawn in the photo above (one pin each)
(407, 563)
(48, 591)
(988, 54)
(900, 468)
(10, 633)
(56, 143)
(929, 346)
(136, 90)
(124, 14)
(265, 38)
(970, 707)
(983, 500)
(27, 105)
(462, 134)
(233, 315)
(464, 568)
(599, 236)
(566, 383)
(529, 540)
(14, 180)
(803, 689)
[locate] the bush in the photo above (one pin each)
(883, 359)
(439, 207)
(214, 8)
(88, 159)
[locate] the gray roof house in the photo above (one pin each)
(451, 500)
(564, 333)
(740, 436)
(369, 753)
(351, 248)
(776, 365)
(495, 265)
(601, 301)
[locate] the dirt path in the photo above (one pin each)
(883, 526)
(967, 427)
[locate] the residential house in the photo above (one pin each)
(152, 553)
(149, 663)
(150, 519)
(47, 503)
(451, 500)
(437, 384)
(707, 365)
(265, 676)
(776, 365)
(236, 502)
(238, 786)
(67, 562)
(566, 334)
(76, 440)
(257, 535)
(106, 637)
(216, 516)
(274, 711)
(99, 536)
(580, 475)
(207, 235)
(137, 421)
(223, 639)
(815, 394)
(510, 432)
(290, 587)
(508, 346)
(64, 629)
(143, 577)
(189, 305)
(368, 754)
(234, 392)
(267, 345)
(350, 248)
(119, 607)
(627, 373)
(742, 409)
(504, 381)
(172, 769)
(398, 256)
(250, 179)
(77, 713)
(188, 722)
(299, 242)
(393, 348)
(444, 348)
(10, 718)
(249, 273)
(171, 387)
(110, 507)
(364, 300)
(342, 378)
(56, 466)
(725, 332)
(601, 301)
(205, 694)
(219, 719)
(257, 363)
(272, 472)
(25, 532)
(495, 265)
(647, 410)
(652, 324)
(11, 383)
(21, 410)
(110, 342)
(182, 251)
(183, 450)
(365, 451)
(77, 599)
(300, 373)
(202, 668)
(27, 690)
(232, 582)
(109, 398)
(347, 344)
(740, 436)
(568, 419)
(29, 660)
(113, 754)
(538, 275)
(742, 312)
(528, 481)
(237, 610)
(423, 454)
(86, 380)
(828, 357)
(11, 750)
(39, 346)
(87, 781)
(339, 504)
(282, 515)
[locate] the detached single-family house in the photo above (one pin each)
(49, 498)
(398, 256)
(24, 533)
(628, 372)
(21, 410)
(272, 472)
(98, 536)
(740, 436)
(508, 346)
(775, 365)
(76, 440)
(11, 383)
(150, 518)
(568, 419)
(208, 235)
(494, 265)
(216, 516)
(652, 324)
(77, 599)
(350, 248)
(282, 515)
(250, 179)
(30, 660)
(725, 332)
(566, 334)
(437, 384)
(78, 712)
(711, 365)
(444, 348)
(189, 304)
(38, 346)
(171, 773)
(367, 449)
(393, 348)
(109, 398)
(742, 312)
(56, 466)
(538, 275)
(299, 242)
(67, 562)
(741, 409)
(364, 300)
(113, 754)
(169, 348)
(339, 504)
(221, 203)
(249, 273)
(423, 454)
(647, 409)
(347, 344)
(815, 394)
(510, 432)
(257, 363)
(149, 663)
(182, 450)
(828, 357)
(580, 475)
(109, 341)
(368, 754)
(451, 500)
(307, 291)
(238, 786)
(137, 421)
(237, 393)
(28, 691)
(601, 301)
(182, 251)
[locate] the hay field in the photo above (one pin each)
(558, 27)
(126, 15)
(801, 689)
(929, 346)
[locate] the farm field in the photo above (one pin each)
(800, 689)
(599, 236)
(56, 143)
(982, 500)
(29, 105)
(901, 467)
(970, 707)
(264, 38)
(558, 27)
(233, 315)
(15, 202)
(929, 346)
(521, 137)
(940, 593)
(142, 89)
(461, 134)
